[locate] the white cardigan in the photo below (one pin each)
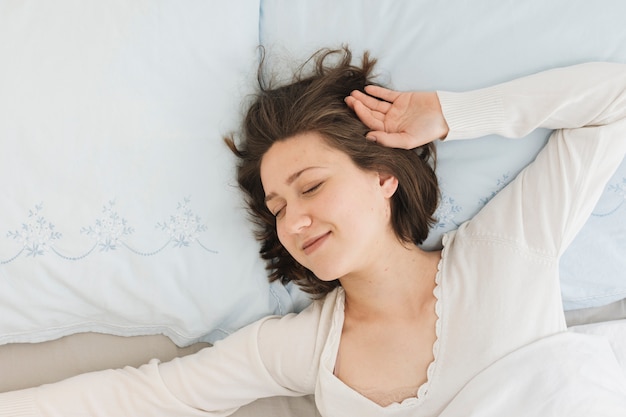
(498, 286)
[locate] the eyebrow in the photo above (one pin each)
(290, 181)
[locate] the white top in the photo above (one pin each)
(498, 286)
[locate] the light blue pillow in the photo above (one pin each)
(461, 45)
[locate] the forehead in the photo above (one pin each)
(288, 156)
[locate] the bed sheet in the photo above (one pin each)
(571, 373)
(32, 366)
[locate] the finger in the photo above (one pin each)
(393, 140)
(350, 101)
(372, 120)
(371, 102)
(382, 93)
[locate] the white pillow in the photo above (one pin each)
(119, 210)
(461, 45)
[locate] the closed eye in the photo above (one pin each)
(306, 191)
(277, 212)
(312, 189)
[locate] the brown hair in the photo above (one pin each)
(314, 102)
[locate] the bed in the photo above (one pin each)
(123, 236)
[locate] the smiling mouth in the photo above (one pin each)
(311, 245)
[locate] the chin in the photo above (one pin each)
(325, 275)
(327, 278)
(326, 271)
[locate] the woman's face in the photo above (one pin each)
(331, 216)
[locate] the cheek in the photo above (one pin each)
(284, 238)
(281, 234)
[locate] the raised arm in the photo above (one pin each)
(551, 199)
(591, 94)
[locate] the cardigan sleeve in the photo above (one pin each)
(550, 200)
(274, 356)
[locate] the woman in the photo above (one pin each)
(341, 212)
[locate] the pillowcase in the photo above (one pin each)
(119, 209)
(456, 46)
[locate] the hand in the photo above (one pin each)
(397, 119)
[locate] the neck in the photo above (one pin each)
(397, 285)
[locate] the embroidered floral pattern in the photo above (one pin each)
(109, 229)
(37, 236)
(446, 211)
(618, 188)
(183, 227)
(500, 184)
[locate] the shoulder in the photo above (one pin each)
(292, 345)
(312, 320)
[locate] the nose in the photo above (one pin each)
(297, 218)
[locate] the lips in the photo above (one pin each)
(312, 244)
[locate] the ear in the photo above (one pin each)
(388, 183)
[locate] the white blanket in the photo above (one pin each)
(569, 374)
